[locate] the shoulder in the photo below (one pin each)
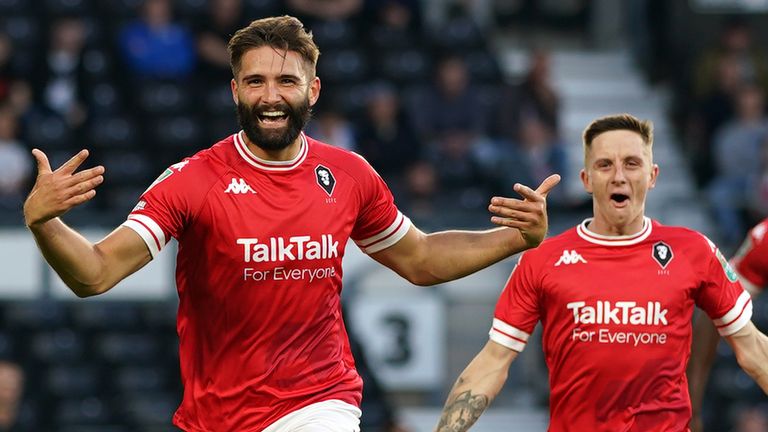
(553, 246)
(199, 170)
(340, 159)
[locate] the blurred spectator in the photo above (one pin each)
(213, 31)
(535, 96)
(155, 46)
(13, 88)
(331, 126)
(15, 162)
(538, 154)
(59, 80)
(11, 391)
(751, 419)
(452, 102)
(737, 151)
(402, 16)
(324, 10)
(386, 136)
(419, 196)
(735, 42)
(709, 113)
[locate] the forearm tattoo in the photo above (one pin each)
(460, 414)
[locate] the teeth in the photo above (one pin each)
(273, 114)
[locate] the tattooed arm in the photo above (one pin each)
(476, 387)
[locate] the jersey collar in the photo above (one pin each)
(605, 240)
(268, 165)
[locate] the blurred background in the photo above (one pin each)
(452, 101)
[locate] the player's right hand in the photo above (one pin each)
(55, 192)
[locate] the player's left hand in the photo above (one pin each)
(528, 215)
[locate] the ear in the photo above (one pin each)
(314, 91)
(654, 176)
(233, 85)
(585, 180)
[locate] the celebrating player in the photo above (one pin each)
(262, 218)
(615, 297)
(751, 265)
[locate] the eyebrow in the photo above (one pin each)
(281, 76)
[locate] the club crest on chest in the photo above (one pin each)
(662, 253)
(325, 179)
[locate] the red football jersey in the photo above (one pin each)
(751, 261)
(259, 275)
(616, 317)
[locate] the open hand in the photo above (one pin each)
(55, 192)
(528, 215)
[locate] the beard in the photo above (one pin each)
(273, 139)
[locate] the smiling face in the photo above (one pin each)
(274, 90)
(618, 172)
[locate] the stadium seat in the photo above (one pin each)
(181, 132)
(68, 7)
(82, 410)
(126, 348)
(218, 100)
(157, 97)
(23, 30)
(105, 98)
(343, 66)
(49, 132)
(97, 64)
(135, 379)
(335, 34)
(483, 66)
(72, 381)
(405, 66)
(114, 132)
(9, 7)
(64, 345)
(147, 408)
(105, 315)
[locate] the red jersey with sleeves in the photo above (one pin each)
(616, 317)
(751, 261)
(259, 275)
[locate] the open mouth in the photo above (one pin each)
(619, 198)
(273, 117)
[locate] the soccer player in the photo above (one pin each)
(261, 219)
(615, 297)
(751, 265)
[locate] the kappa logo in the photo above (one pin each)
(662, 253)
(325, 179)
(570, 257)
(239, 186)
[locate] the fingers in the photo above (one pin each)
(84, 176)
(83, 186)
(548, 184)
(79, 199)
(71, 165)
(43, 166)
(541, 192)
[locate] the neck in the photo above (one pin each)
(284, 154)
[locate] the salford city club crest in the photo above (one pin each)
(325, 179)
(662, 253)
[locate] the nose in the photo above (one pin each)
(618, 175)
(271, 93)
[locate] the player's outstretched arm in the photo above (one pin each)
(703, 352)
(476, 388)
(87, 268)
(428, 259)
(751, 349)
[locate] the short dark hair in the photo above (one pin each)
(282, 32)
(644, 128)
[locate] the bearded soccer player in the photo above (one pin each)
(615, 297)
(262, 218)
(751, 265)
